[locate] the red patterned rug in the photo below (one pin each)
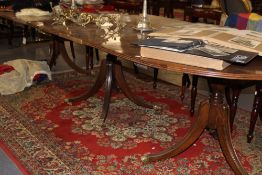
(49, 136)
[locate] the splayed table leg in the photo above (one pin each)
(214, 115)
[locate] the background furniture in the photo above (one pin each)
(130, 6)
(194, 13)
(232, 97)
(168, 5)
(236, 6)
(257, 6)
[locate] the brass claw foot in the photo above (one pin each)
(68, 101)
(92, 72)
(157, 109)
(144, 159)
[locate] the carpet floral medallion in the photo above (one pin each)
(49, 136)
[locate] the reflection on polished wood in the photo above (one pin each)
(212, 114)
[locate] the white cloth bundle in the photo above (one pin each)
(32, 12)
(22, 76)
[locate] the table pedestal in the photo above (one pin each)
(112, 75)
(213, 115)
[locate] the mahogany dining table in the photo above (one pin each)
(212, 114)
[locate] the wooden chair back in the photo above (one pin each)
(235, 6)
(130, 6)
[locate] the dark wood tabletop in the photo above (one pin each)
(95, 37)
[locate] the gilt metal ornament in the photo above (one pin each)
(112, 21)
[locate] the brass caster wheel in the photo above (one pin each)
(157, 109)
(154, 85)
(92, 72)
